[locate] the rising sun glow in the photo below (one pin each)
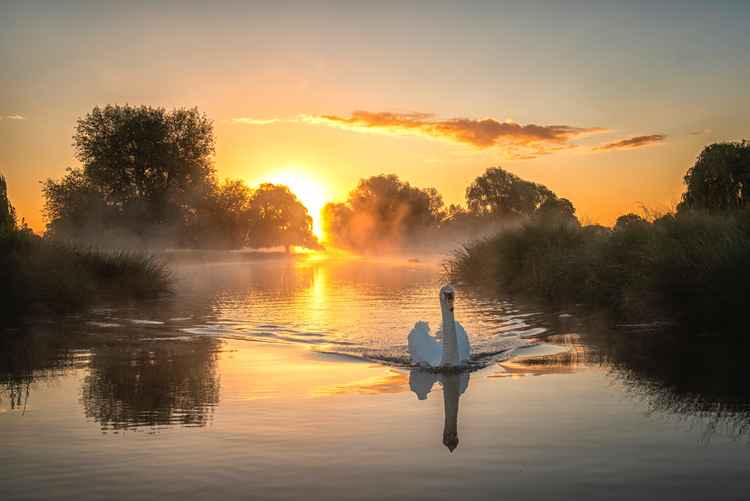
(310, 192)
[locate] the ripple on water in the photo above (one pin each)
(362, 309)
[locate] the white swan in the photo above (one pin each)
(426, 351)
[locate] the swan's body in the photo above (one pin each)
(452, 350)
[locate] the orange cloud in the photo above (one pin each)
(633, 142)
(515, 140)
(518, 141)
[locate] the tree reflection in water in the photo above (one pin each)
(702, 380)
(28, 358)
(677, 374)
(152, 383)
(132, 380)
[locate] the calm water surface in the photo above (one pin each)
(287, 379)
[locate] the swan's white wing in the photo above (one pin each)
(423, 348)
(464, 348)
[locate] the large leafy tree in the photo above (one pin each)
(277, 218)
(382, 209)
(500, 193)
(222, 217)
(720, 178)
(74, 207)
(559, 210)
(142, 167)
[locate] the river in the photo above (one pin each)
(286, 378)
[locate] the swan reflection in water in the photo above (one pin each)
(454, 385)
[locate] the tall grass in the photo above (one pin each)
(42, 276)
(692, 267)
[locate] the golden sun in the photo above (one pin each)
(308, 190)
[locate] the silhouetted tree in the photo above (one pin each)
(382, 209)
(339, 225)
(558, 210)
(628, 221)
(74, 207)
(276, 217)
(8, 222)
(720, 178)
(222, 217)
(500, 193)
(143, 168)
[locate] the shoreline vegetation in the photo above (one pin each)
(690, 266)
(42, 276)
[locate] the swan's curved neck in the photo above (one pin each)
(450, 343)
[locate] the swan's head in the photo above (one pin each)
(447, 296)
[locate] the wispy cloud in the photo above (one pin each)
(699, 132)
(13, 117)
(633, 142)
(515, 140)
(258, 121)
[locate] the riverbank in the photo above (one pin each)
(693, 268)
(40, 276)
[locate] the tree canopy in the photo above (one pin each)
(146, 159)
(385, 211)
(720, 178)
(147, 173)
(381, 210)
(277, 217)
(557, 210)
(143, 171)
(500, 193)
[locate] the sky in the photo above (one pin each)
(606, 103)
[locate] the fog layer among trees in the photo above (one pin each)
(385, 212)
(147, 178)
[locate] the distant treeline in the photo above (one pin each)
(147, 178)
(692, 265)
(383, 212)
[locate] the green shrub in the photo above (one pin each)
(49, 277)
(693, 266)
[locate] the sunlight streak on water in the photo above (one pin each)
(353, 306)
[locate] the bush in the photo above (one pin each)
(693, 267)
(49, 277)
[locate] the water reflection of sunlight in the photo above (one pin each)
(357, 307)
(318, 292)
(391, 382)
(576, 356)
